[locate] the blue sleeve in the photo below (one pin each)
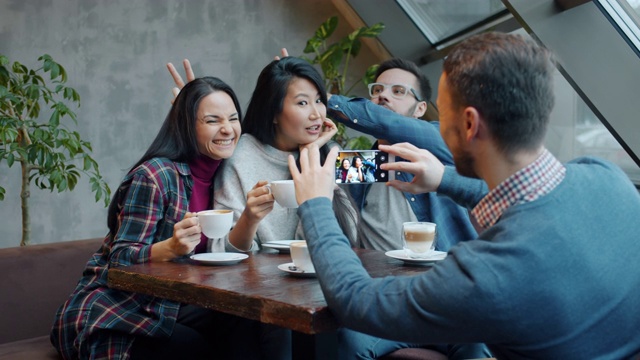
(463, 190)
(365, 116)
(405, 308)
(369, 174)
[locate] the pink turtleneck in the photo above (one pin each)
(202, 170)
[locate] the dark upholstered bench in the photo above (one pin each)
(35, 280)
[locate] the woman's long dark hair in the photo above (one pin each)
(267, 100)
(271, 89)
(353, 161)
(176, 139)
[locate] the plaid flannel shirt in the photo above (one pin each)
(151, 198)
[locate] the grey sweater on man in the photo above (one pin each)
(555, 278)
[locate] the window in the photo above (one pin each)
(440, 20)
(574, 131)
(625, 14)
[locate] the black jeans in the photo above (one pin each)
(206, 334)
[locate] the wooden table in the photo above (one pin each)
(254, 288)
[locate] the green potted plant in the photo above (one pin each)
(51, 156)
(333, 59)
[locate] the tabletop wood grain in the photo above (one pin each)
(254, 288)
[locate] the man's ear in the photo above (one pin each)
(420, 109)
(471, 124)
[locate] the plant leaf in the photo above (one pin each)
(4, 75)
(62, 185)
(327, 28)
(312, 45)
(55, 71)
(372, 31)
(370, 74)
(33, 92)
(54, 120)
(357, 45)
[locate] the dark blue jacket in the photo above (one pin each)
(365, 116)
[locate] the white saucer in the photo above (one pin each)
(291, 269)
(219, 258)
(431, 259)
(280, 245)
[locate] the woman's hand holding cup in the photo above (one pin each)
(186, 235)
(259, 202)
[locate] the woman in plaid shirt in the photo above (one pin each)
(151, 218)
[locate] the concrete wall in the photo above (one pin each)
(115, 54)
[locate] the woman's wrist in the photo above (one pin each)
(242, 234)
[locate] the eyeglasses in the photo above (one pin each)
(397, 91)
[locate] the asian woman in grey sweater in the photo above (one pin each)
(286, 113)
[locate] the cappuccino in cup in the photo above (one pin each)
(418, 238)
(215, 223)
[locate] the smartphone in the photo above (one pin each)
(361, 167)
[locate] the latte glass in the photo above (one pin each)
(418, 239)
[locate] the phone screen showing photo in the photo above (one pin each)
(360, 167)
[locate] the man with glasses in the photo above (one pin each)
(399, 92)
(399, 98)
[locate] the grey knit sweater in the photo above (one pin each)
(251, 162)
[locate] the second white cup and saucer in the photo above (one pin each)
(282, 246)
(301, 265)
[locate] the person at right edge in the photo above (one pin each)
(551, 274)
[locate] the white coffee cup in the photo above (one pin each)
(284, 191)
(300, 256)
(215, 223)
(418, 239)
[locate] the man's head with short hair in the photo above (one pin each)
(398, 71)
(509, 80)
